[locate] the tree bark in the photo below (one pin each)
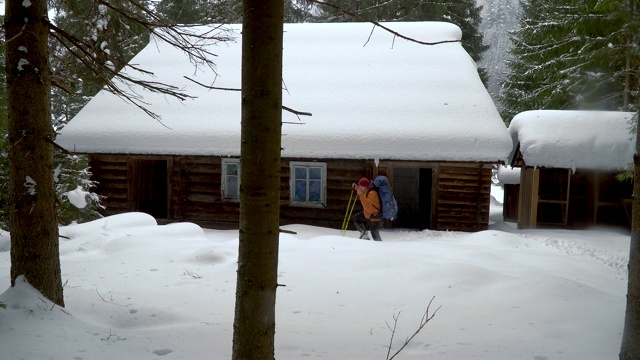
(34, 229)
(630, 348)
(254, 323)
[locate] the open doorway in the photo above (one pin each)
(151, 187)
(412, 190)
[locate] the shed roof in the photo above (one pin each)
(574, 139)
(372, 95)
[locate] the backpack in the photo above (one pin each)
(388, 202)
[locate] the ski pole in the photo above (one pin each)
(344, 221)
(347, 216)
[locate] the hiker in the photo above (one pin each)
(371, 215)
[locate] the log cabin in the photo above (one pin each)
(572, 166)
(380, 104)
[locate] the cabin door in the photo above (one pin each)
(151, 187)
(412, 190)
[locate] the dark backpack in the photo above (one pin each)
(388, 202)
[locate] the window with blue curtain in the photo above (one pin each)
(308, 183)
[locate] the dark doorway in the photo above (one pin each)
(151, 188)
(412, 190)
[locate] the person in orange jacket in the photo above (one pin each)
(370, 217)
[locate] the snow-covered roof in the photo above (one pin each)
(508, 175)
(573, 139)
(372, 95)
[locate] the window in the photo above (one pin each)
(230, 179)
(308, 184)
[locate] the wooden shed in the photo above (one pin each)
(571, 164)
(381, 105)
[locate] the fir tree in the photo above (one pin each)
(566, 55)
(200, 11)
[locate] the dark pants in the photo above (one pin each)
(362, 224)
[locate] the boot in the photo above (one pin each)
(362, 229)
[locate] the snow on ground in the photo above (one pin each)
(137, 290)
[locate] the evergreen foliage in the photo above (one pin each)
(225, 11)
(200, 11)
(72, 173)
(115, 42)
(568, 55)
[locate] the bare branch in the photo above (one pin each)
(393, 332)
(192, 274)
(63, 150)
(376, 23)
(423, 322)
(57, 83)
(211, 87)
(80, 52)
(295, 112)
(192, 43)
(195, 43)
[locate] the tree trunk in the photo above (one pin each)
(254, 323)
(34, 229)
(628, 71)
(630, 348)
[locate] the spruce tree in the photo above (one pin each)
(566, 55)
(34, 228)
(200, 11)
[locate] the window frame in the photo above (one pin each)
(322, 203)
(224, 179)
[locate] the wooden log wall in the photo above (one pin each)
(195, 183)
(340, 175)
(461, 191)
(463, 197)
(111, 173)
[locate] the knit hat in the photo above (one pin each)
(364, 182)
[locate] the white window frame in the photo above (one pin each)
(223, 187)
(323, 184)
